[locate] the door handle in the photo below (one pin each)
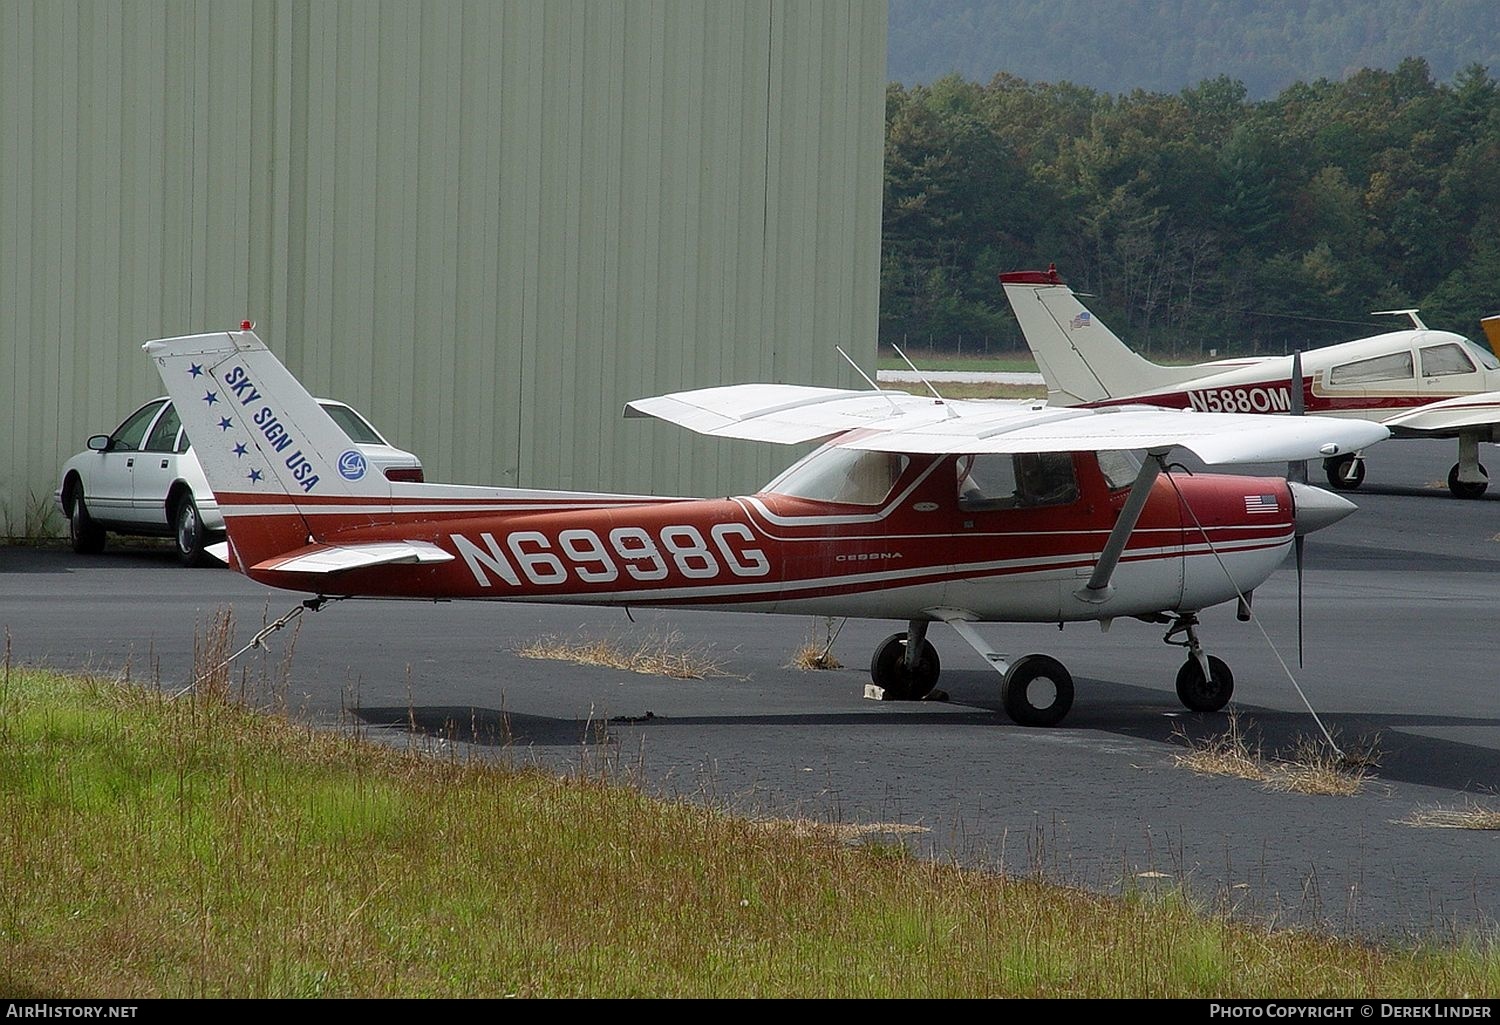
(130, 462)
(163, 464)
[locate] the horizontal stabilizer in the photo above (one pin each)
(329, 558)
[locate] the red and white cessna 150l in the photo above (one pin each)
(1420, 383)
(917, 509)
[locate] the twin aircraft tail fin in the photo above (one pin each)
(1491, 327)
(270, 452)
(1081, 360)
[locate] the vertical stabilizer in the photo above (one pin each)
(1081, 359)
(271, 454)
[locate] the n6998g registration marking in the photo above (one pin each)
(582, 555)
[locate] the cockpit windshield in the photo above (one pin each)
(834, 474)
(1482, 355)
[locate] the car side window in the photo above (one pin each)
(129, 434)
(164, 435)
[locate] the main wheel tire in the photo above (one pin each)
(188, 533)
(87, 537)
(1467, 489)
(1344, 473)
(1205, 694)
(889, 670)
(1038, 691)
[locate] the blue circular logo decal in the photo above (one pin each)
(352, 464)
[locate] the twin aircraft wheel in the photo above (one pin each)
(1467, 489)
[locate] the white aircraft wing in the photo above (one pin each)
(907, 423)
(1479, 410)
(789, 414)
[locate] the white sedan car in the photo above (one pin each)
(144, 479)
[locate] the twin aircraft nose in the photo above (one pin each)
(1316, 508)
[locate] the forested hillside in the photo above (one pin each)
(1199, 219)
(1167, 45)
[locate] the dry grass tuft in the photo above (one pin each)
(1227, 754)
(848, 833)
(817, 653)
(1311, 768)
(653, 655)
(1471, 816)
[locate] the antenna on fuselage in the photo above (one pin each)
(874, 387)
(1415, 320)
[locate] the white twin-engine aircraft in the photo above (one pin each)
(1419, 383)
(915, 509)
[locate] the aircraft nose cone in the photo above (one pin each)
(1317, 508)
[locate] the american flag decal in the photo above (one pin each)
(1261, 504)
(1082, 320)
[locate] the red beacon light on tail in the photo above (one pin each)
(247, 325)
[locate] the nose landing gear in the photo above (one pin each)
(1204, 683)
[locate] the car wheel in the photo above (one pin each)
(189, 534)
(86, 536)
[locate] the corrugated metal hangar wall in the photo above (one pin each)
(486, 224)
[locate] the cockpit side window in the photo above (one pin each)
(845, 475)
(1442, 360)
(1021, 481)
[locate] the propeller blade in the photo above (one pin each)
(1297, 469)
(1297, 544)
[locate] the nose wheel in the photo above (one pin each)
(1204, 683)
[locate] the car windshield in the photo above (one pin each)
(352, 424)
(846, 475)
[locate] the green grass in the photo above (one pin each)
(1019, 362)
(192, 847)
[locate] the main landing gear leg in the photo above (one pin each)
(1204, 683)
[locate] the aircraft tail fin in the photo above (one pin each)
(270, 452)
(1491, 327)
(1081, 359)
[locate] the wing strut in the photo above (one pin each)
(1098, 588)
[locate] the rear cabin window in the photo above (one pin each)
(1026, 480)
(1396, 366)
(846, 475)
(1442, 360)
